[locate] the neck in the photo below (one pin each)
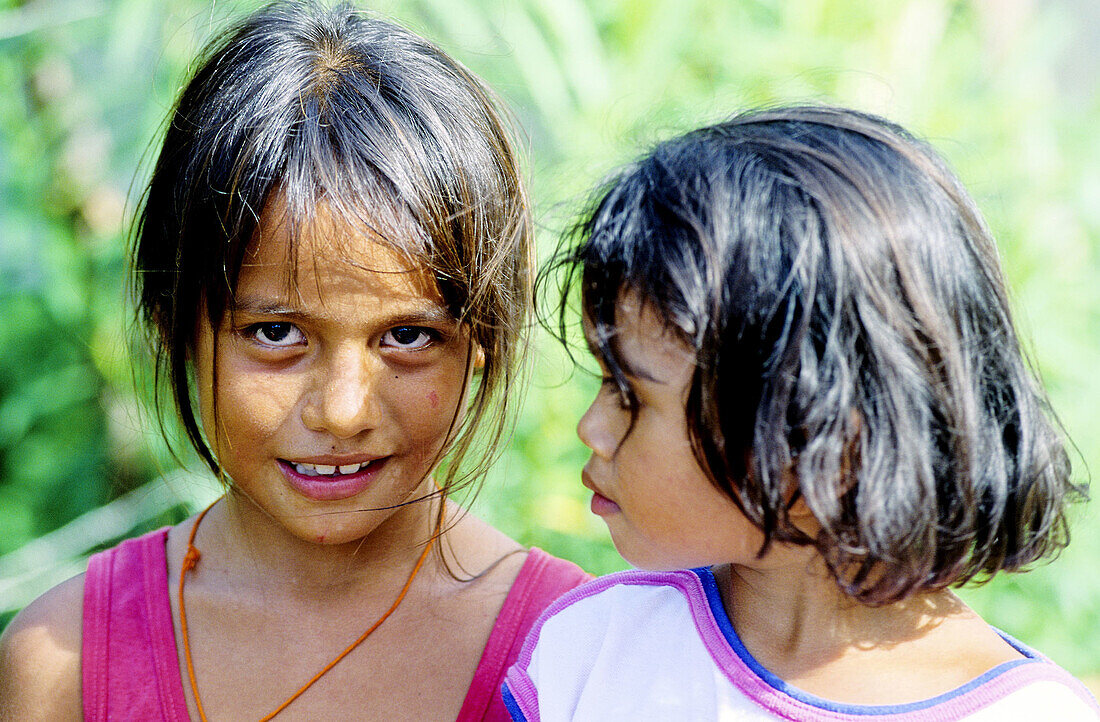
(253, 546)
(793, 618)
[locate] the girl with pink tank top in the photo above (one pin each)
(333, 259)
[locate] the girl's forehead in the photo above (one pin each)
(323, 252)
(633, 317)
(642, 339)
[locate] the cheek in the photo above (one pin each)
(251, 406)
(426, 402)
(658, 442)
(203, 360)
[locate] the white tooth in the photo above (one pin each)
(349, 468)
(306, 469)
(326, 469)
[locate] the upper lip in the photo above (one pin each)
(586, 479)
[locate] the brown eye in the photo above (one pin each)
(409, 337)
(277, 334)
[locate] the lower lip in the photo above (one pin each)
(602, 506)
(331, 488)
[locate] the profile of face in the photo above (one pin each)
(337, 378)
(661, 508)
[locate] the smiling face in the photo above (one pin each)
(335, 392)
(659, 505)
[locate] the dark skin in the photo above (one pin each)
(663, 512)
(358, 366)
(436, 634)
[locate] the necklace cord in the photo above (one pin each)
(191, 559)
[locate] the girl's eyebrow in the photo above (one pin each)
(264, 308)
(628, 367)
(428, 313)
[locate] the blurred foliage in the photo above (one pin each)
(1006, 89)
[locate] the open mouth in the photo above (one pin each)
(326, 482)
(330, 473)
(329, 470)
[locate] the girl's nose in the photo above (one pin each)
(593, 431)
(346, 400)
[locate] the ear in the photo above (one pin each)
(479, 357)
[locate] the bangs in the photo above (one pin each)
(637, 240)
(347, 120)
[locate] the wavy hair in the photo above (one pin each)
(855, 349)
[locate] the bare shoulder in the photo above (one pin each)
(483, 552)
(40, 657)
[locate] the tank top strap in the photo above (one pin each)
(542, 579)
(129, 664)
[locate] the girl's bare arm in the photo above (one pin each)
(40, 658)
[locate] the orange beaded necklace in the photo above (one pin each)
(191, 559)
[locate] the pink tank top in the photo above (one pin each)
(131, 670)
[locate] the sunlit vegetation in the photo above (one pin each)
(1006, 89)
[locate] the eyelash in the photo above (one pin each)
(254, 331)
(432, 336)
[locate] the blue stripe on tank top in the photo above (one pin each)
(714, 599)
(511, 705)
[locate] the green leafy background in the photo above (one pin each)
(1006, 89)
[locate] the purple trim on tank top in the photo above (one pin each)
(518, 683)
(541, 580)
(773, 694)
(94, 633)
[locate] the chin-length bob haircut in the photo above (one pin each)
(327, 105)
(855, 350)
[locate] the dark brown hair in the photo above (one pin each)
(854, 344)
(330, 105)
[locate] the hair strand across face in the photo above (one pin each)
(328, 106)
